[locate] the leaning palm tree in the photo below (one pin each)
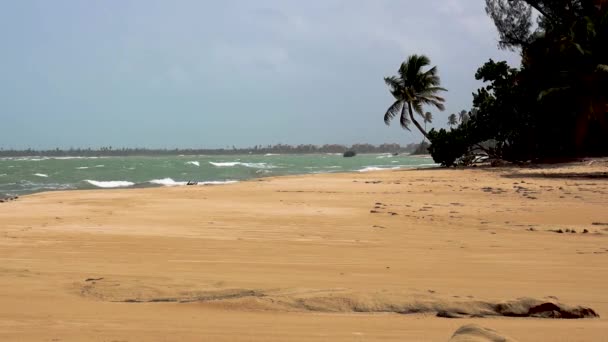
(452, 121)
(412, 89)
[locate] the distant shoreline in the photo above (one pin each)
(255, 150)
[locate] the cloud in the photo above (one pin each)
(303, 71)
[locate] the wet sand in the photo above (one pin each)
(336, 257)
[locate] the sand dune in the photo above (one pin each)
(389, 255)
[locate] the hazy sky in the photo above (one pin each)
(200, 73)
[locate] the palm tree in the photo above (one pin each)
(412, 89)
(428, 118)
(463, 116)
(452, 121)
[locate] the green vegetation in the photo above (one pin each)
(554, 106)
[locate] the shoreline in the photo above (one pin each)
(268, 259)
(579, 163)
(170, 182)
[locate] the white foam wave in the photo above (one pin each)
(252, 165)
(377, 168)
(167, 182)
(272, 154)
(226, 164)
(2, 174)
(26, 186)
(109, 184)
(82, 168)
(194, 163)
(217, 182)
(67, 158)
(100, 166)
(171, 182)
(41, 175)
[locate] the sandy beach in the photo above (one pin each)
(334, 257)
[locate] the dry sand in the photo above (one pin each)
(340, 257)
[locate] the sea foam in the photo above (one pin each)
(109, 184)
(252, 165)
(167, 182)
(218, 182)
(41, 175)
(376, 168)
(194, 163)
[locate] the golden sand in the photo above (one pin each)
(335, 257)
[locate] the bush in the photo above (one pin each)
(449, 147)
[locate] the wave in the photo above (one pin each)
(2, 174)
(323, 167)
(171, 182)
(24, 186)
(271, 154)
(88, 167)
(252, 165)
(41, 175)
(377, 168)
(167, 182)
(194, 163)
(217, 182)
(109, 184)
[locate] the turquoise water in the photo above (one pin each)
(26, 175)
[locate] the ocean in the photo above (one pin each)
(26, 175)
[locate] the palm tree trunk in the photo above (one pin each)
(409, 107)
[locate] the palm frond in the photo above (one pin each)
(404, 120)
(417, 107)
(393, 82)
(602, 67)
(392, 111)
(434, 89)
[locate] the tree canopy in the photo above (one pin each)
(555, 104)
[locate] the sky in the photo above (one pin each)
(195, 73)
